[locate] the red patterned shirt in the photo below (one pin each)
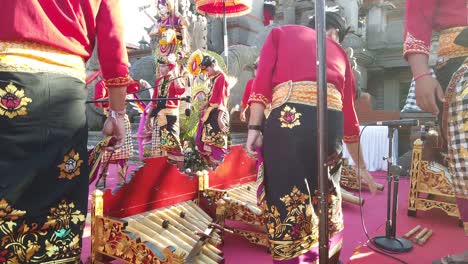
(424, 16)
(72, 26)
(289, 54)
(219, 91)
(247, 91)
(167, 90)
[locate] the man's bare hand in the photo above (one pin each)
(254, 141)
(427, 89)
(368, 180)
(242, 115)
(115, 127)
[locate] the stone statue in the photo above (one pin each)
(197, 26)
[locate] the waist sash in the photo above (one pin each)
(306, 93)
(447, 48)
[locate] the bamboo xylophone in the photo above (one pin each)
(239, 203)
(153, 219)
(349, 178)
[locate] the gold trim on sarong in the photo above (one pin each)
(447, 48)
(304, 93)
(26, 56)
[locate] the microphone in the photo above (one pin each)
(395, 123)
(188, 98)
(188, 111)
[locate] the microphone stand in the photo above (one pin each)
(390, 241)
(322, 126)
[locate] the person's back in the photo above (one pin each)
(45, 172)
(69, 26)
(296, 60)
(285, 85)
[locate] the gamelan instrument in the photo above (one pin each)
(234, 199)
(430, 180)
(154, 219)
(349, 178)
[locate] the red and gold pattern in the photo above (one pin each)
(259, 98)
(351, 139)
(429, 178)
(414, 45)
(290, 117)
(62, 245)
(70, 168)
(119, 81)
(209, 136)
(13, 101)
(27, 56)
(304, 93)
(447, 48)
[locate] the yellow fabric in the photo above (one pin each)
(16, 56)
(448, 49)
(304, 93)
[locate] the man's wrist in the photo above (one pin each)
(117, 114)
(255, 127)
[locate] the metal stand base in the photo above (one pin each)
(397, 244)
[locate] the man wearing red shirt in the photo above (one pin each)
(450, 19)
(211, 139)
(163, 116)
(120, 156)
(286, 84)
(247, 91)
(43, 131)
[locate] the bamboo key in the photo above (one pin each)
(186, 230)
(412, 231)
(168, 236)
(420, 235)
(177, 235)
(423, 240)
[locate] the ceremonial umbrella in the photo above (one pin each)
(224, 8)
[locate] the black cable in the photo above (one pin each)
(379, 251)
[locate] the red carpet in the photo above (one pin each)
(447, 238)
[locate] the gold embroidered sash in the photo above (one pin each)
(448, 49)
(306, 93)
(24, 56)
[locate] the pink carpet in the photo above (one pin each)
(447, 238)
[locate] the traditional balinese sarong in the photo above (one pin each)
(290, 172)
(452, 73)
(210, 140)
(43, 167)
(166, 132)
(120, 156)
(126, 151)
